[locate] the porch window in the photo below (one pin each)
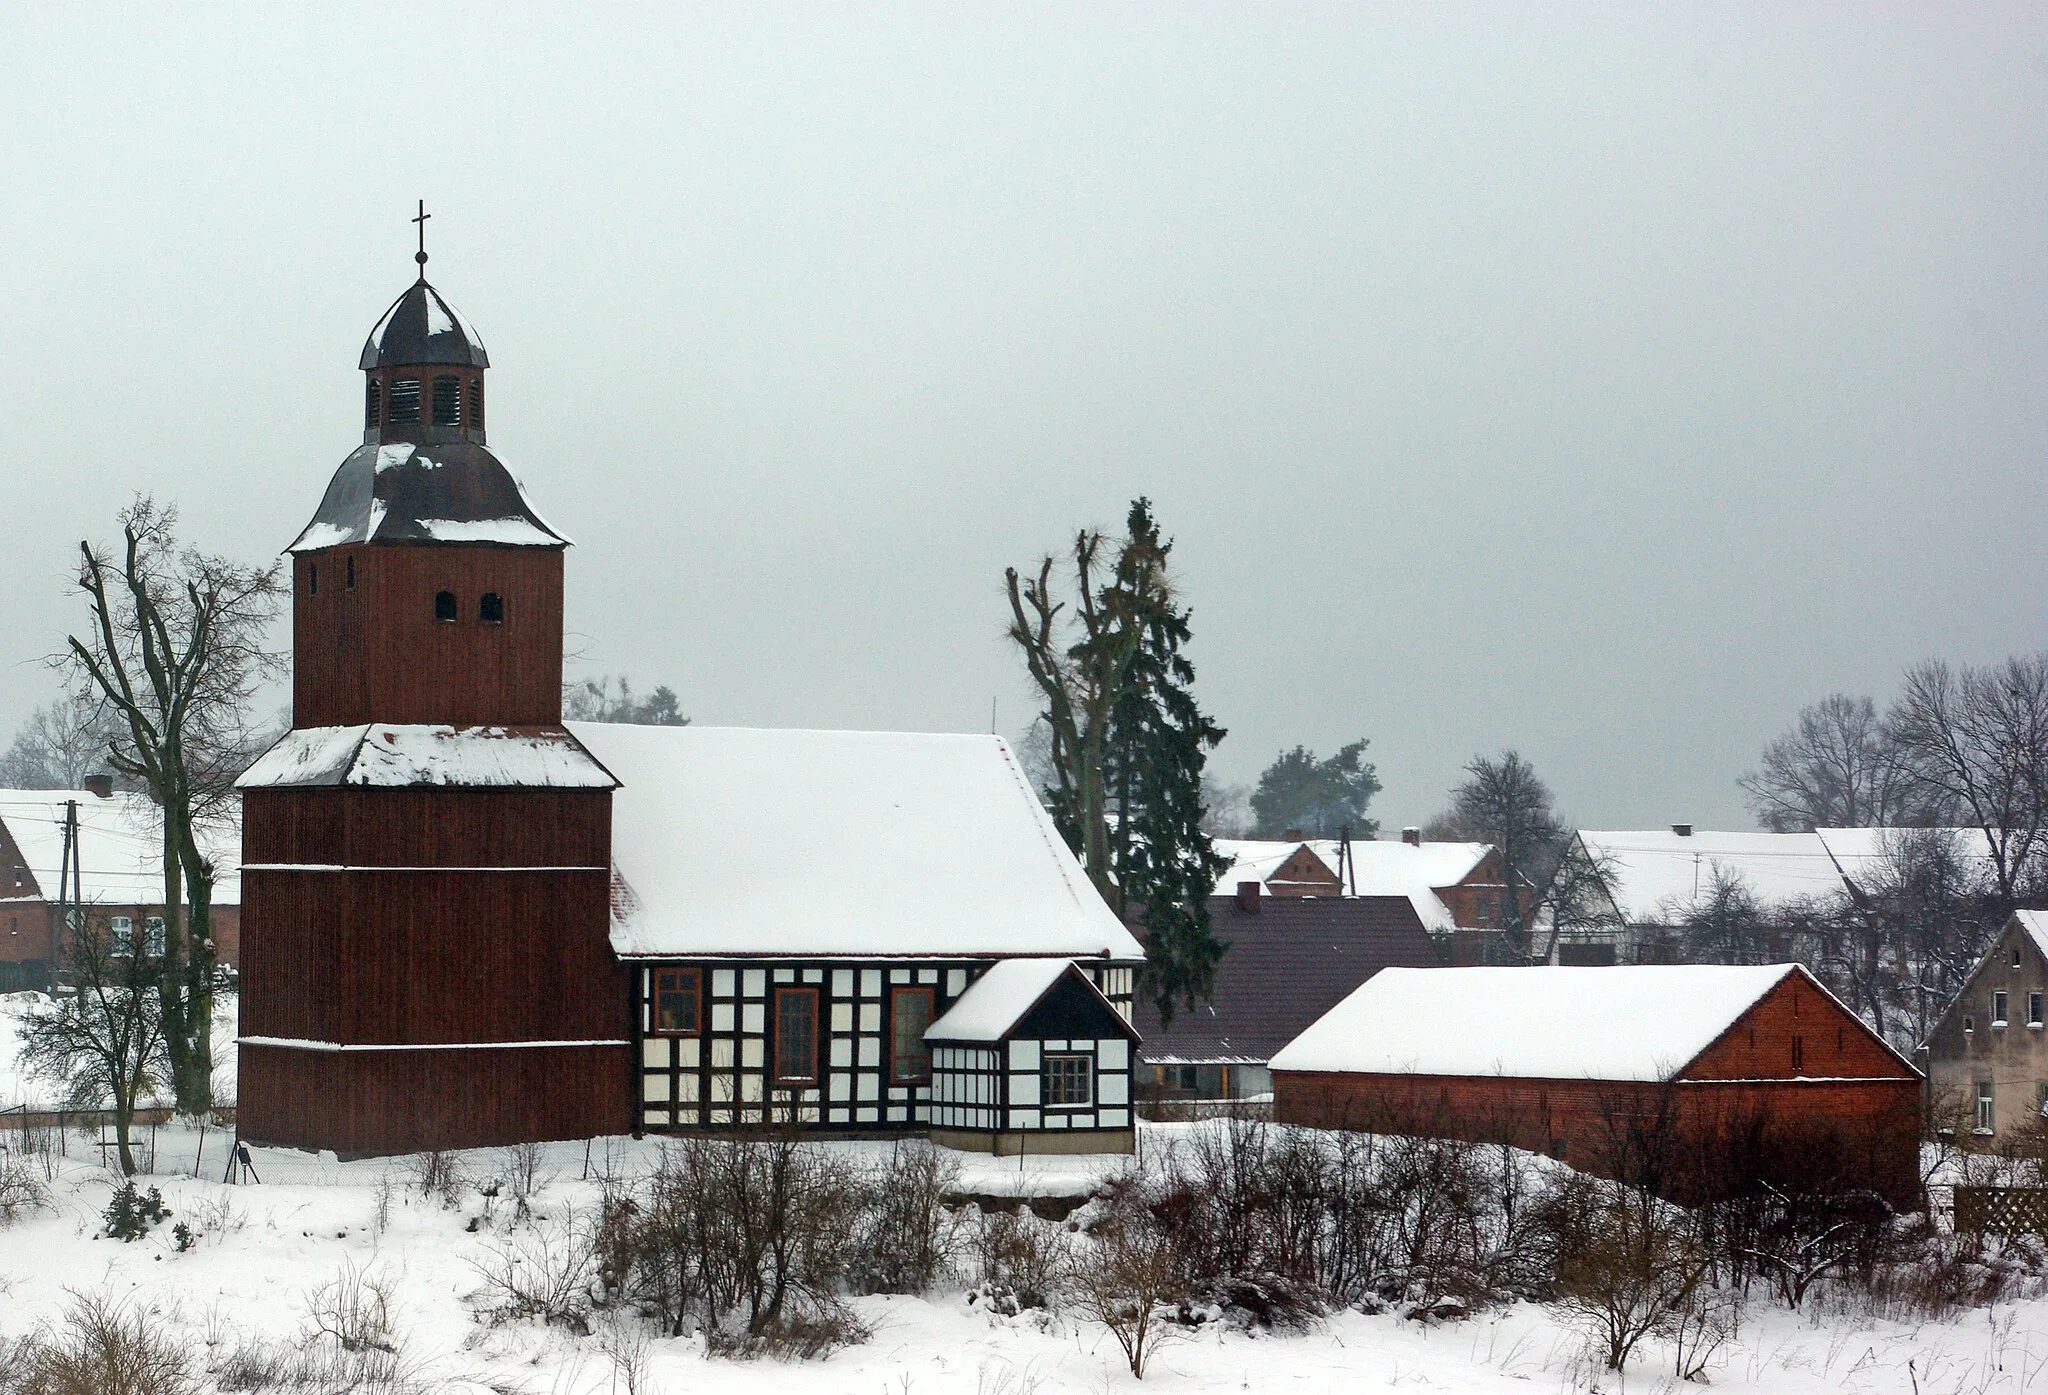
(910, 1012)
(1984, 1114)
(1065, 1081)
(796, 1035)
(676, 995)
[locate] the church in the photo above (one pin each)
(466, 923)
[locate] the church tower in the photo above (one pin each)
(426, 955)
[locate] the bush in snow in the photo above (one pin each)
(1129, 1275)
(21, 1190)
(1017, 1260)
(1629, 1266)
(353, 1309)
(130, 1214)
(542, 1272)
(909, 1239)
(100, 1347)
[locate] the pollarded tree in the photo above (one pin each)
(178, 650)
(1322, 798)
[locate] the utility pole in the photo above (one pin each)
(70, 893)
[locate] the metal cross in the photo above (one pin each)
(421, 258)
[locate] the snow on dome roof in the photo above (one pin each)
(427, 755)
(439, 492)
(120, 844)
(997, 1000)
(422, 328)
(1634, 1022)
(742, 841)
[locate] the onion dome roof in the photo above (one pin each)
(446, 492)
(420, 327)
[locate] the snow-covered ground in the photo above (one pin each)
(265, 1248)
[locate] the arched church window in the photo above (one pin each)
(492, 609)
(447, 400)
(372, 400)
(405, 401)
(476, 404)
(444, 605)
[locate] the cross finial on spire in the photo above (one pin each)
(421, 255)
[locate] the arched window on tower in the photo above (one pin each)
(447, 400)
(476, 404)
(491, 610)
(372, 401)
(444, 606)
(405, 401)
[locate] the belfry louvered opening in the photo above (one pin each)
(476, 404)
(373, 401)
(405, 401)
(447, 400)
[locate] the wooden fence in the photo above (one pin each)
(2001, 1210)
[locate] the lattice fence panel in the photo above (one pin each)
(2002, 1210)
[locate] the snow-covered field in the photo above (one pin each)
(264, 1249)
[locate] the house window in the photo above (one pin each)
(675, 1001)
(1998, 1006)
(444, 606)
(1969, 1024)
(476, 404)
(491, 609)
(1065, 1081)
(910, 1012)
(405, 402)
(2034, 1009)
(796, 1034)
(153, 937)
(447, 400)
(121, 943)
(2015, 956)
(370, 405)
(1984, 1114)
(1798, 1054)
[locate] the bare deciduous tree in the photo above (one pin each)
(105, 1042)
(1976, 740)
(59, 745)
(178, 649)
(1836, 767)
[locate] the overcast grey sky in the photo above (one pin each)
(1604, 382)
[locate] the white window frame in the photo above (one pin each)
(121, 937)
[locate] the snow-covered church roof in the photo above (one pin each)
(1634, 1022)
(748, 841)
(431, 492)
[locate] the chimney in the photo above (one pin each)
(1292, 835)
(1412, 836)
(101, 786)
(1683, 830)
(1248, 897)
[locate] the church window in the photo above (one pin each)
(476, 404)
(910, 1012)
(491, 610)
(312, 578)
(447, 400)
(444, 605)
(796, 1034)
(371, 402)
(351, 578)
(405, 401)
(676, 995)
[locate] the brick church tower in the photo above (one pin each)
(427, 853)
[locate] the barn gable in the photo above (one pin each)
(1798, 1030)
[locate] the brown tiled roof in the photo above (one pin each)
(1287, 964)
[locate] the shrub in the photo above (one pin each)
(101, 1347)
(1126, 1274)
(1628, 1266)
(1017, 1260)
(21, 1191)
(908, 1236)
(353, 1309)
(130, 1214)
(542, 1272)
(438, 1174)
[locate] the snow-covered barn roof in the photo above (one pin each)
(436, 492)
(413, 756)
(121, 848)
(1384, 868)
(1635, 1022)
(747, 841)
(998, 1000)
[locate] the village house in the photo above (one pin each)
(469, 924)
(1987, 1057)
(1456, 888)
(1756, 1068)
(117, 877)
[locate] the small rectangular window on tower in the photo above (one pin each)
(447, 400)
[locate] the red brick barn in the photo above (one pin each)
(1710, 1075)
